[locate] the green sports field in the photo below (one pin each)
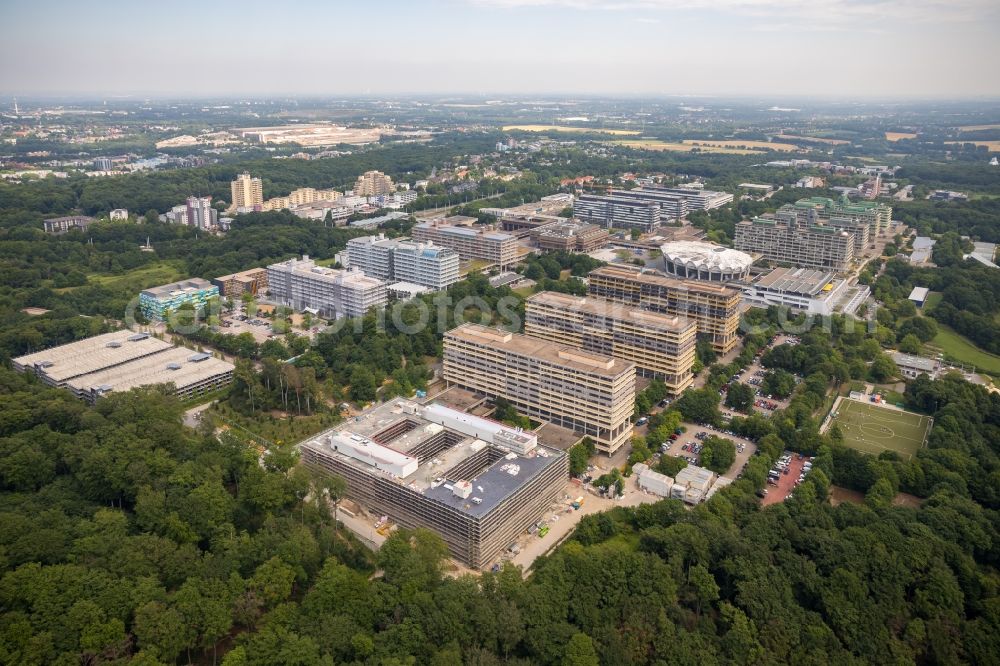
(872, 429)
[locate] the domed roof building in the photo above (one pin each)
(696, 260)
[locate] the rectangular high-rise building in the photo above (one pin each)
(200, 213)
(695, 197)
(714, 308)
(402, 260)
(592, 394)
(795, 244)
(301, 284)
(661, 346)
(617, 211)
(248, 193)
(373, 183)
(673, 206)
(496, 247)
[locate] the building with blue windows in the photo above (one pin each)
(156, 302)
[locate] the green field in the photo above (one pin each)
(933, 298)
(956, 347)
(872, 429)
(151, 275)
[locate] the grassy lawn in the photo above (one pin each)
(872, 429)
(151, 275)
(933, 298)
(954, 346)
(524, 291)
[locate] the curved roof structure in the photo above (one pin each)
(706, 256)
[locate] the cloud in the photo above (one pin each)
(645, 19)
(831, 11)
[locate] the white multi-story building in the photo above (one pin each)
(302, 285)
(401, 260)
(200, 213)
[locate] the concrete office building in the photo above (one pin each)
(123, 360)
(61, 225)
(806, 246)
(591, 394)
(476, 483)
(569, 236)
(248, 193)
(235, 285)
(156, 302)
(864, 220)
(697, 260)
(498, 248)
(617, 211)
(302, 285)
(402, 260)
(673, 206)
(103, 164)
(373, 183)
(696, 198)
(661, 346)
(805, 290)
(714, 308)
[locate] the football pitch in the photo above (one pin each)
(872, 429)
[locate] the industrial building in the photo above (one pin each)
(157, 302)
(122, 360)
(235, 285)
(661, 346)
(591, 394)
(302, 285)
(61, 225)
(715, 308)
(495, 247)
(569, 236)
(697, 260)
(476, 483)
(805, 290)
(403, 260)
(814, 246)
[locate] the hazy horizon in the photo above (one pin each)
(883, 50)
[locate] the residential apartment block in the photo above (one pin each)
(302, 285)
(592, 394)
(661, 346)
(812, 246)
(373, 183)
(486, 244)
(248, 193)
(302, 197)
(714, 308)
(61, 225)
(156, 302)
(235, 285)
(402, 260)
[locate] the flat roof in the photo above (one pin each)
(180, 366)
(649, 277)
(910, 361)
(919, 294)
(92, 354)
(796, 280)
(523, 345)
(436, 476)
(602, 307)
(250, 273)
(181, 285)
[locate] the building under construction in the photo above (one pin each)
(477, 483)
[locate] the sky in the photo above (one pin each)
(830, 48)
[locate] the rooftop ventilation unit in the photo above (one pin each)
(137, 337)
(114, 344)
(173, 366)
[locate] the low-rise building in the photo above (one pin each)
(118, 214)
(157, 302)
(235, 285)
(61, 225)
(697, 260)
(805, 290)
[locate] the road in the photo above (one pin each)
(192, 417)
